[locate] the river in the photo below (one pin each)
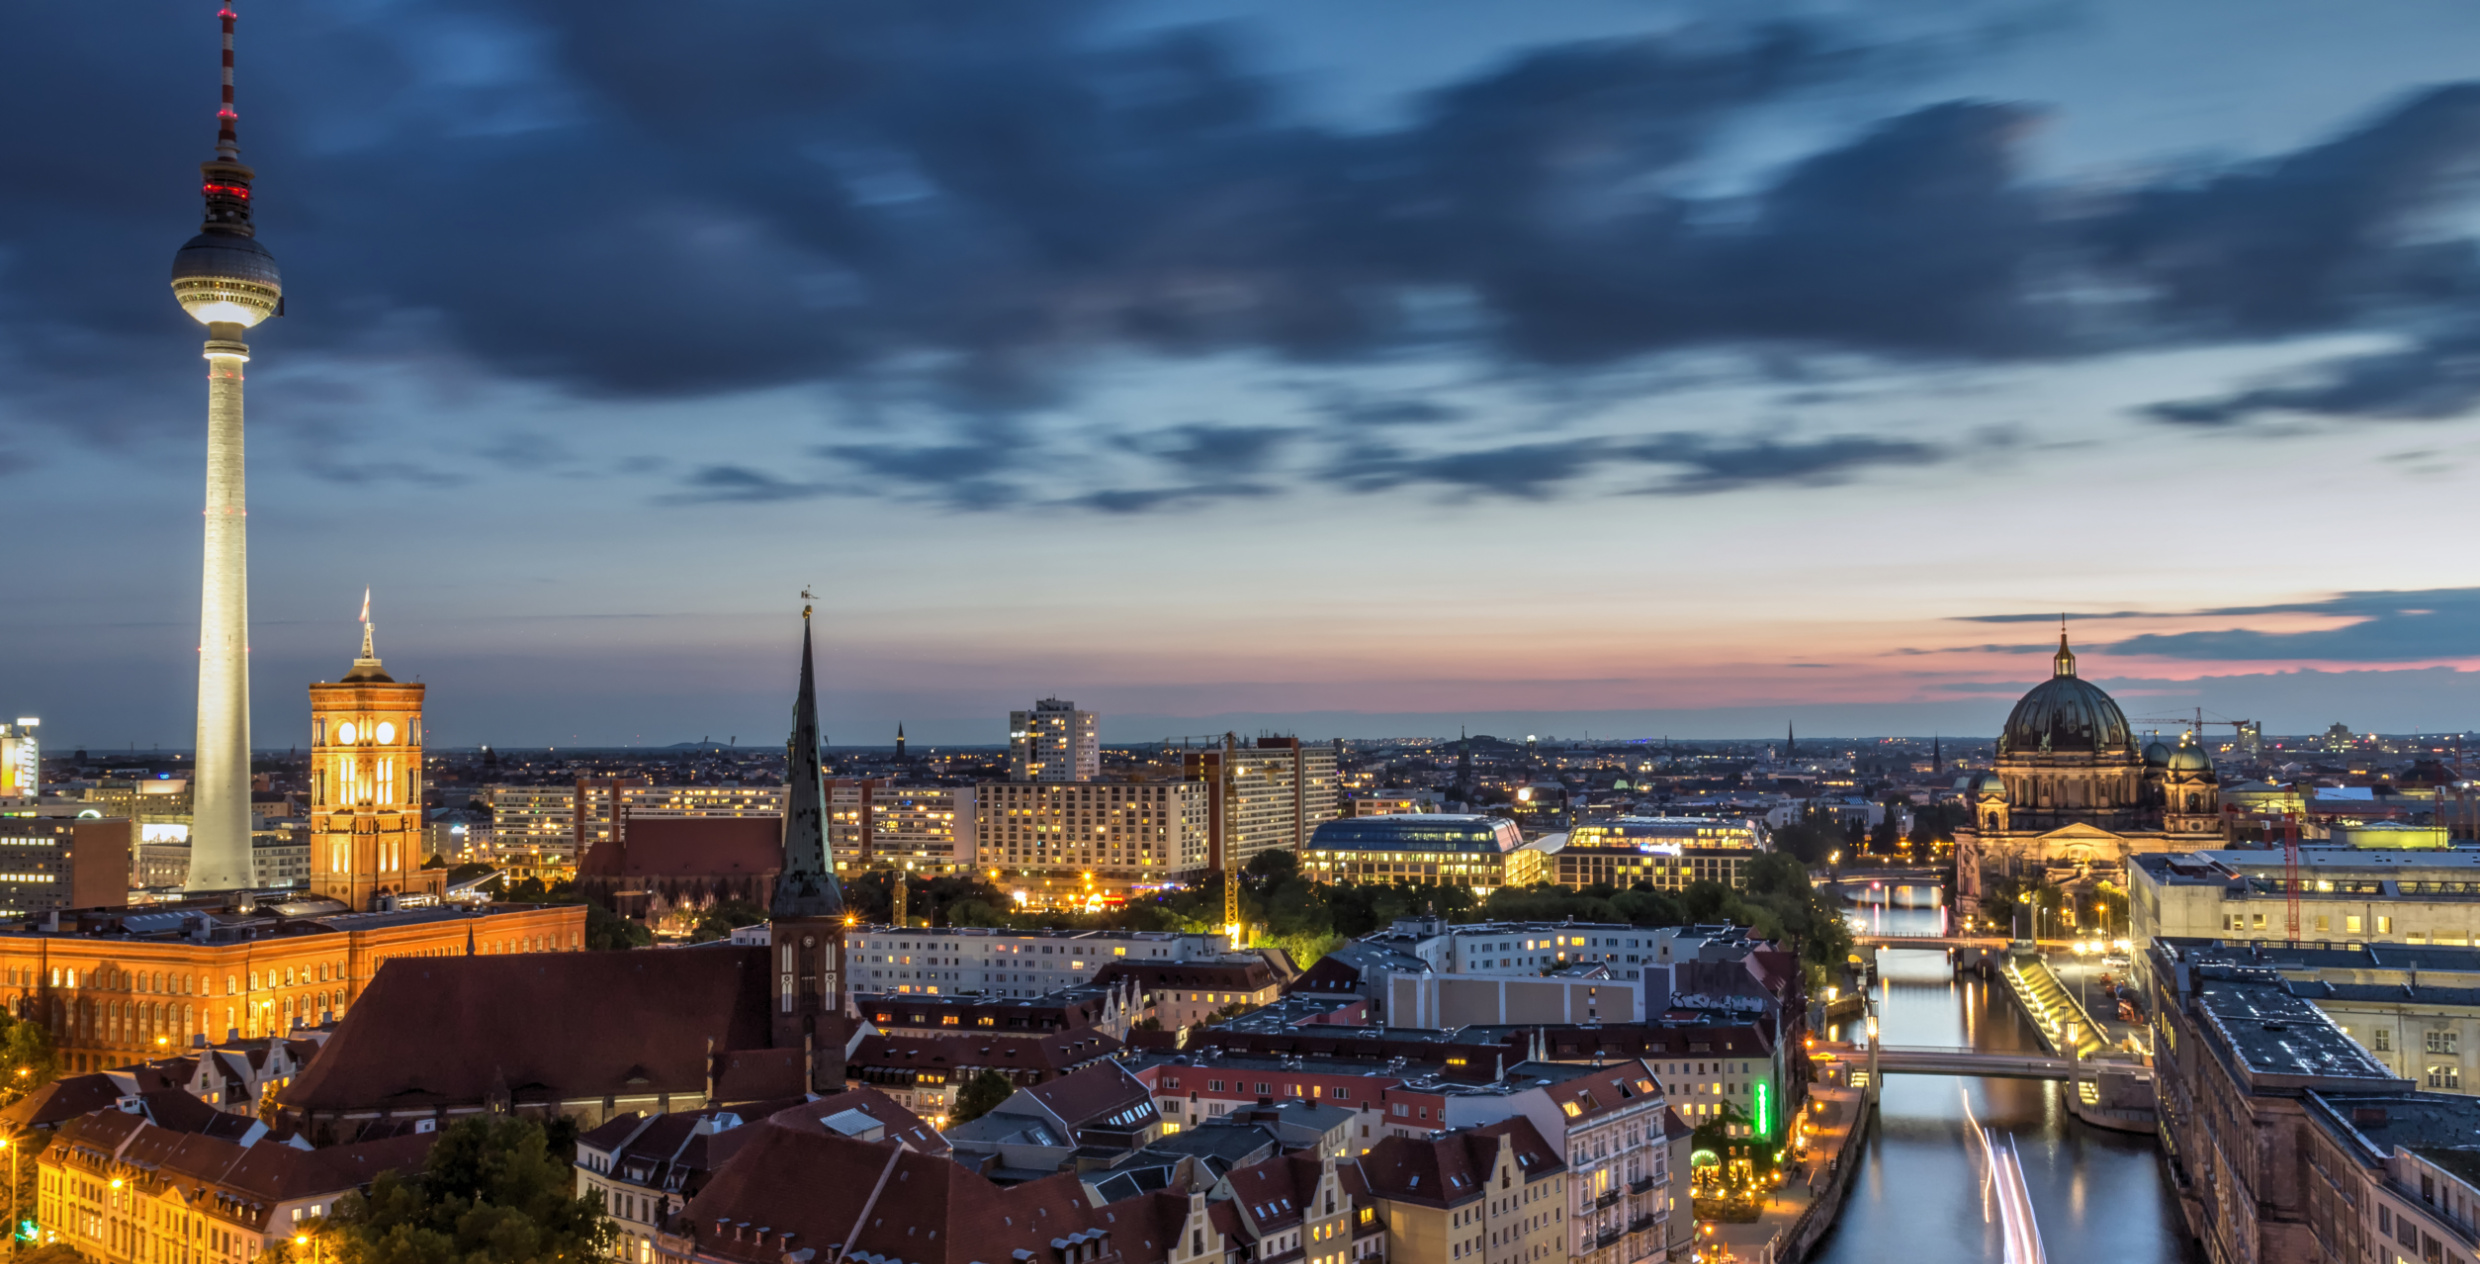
(2097, 1195)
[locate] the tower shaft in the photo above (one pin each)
(219, 857)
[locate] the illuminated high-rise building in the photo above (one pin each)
(228, 282)
(1054, 742)
(21, 760)
(366, 835)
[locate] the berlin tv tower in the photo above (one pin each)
(228, 282)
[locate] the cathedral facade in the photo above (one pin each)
(2072, 795)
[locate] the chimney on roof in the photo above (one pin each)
(714, 1073)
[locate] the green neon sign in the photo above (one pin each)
(1765, 1110)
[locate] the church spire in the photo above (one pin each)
(2062, 663)
(806, 887)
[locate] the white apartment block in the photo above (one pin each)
(1269, 796)
(1005, 963)
(1054, 742)
(542, 820)
(1398, 802)
(928, 829)
(1117, 830)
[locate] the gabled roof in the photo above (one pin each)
(815, 1189)
(60, 1101)
(686, 847)
(1447, 1170)
(1535, 1157)
(562, 1025)
(900, 1124)
(1271, 1192)
(1088, 1098)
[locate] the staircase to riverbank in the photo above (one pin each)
(2050, 1007)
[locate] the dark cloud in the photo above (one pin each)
(2437, 379)
(1703, 464)
(1150, 499)
(739, 483)
(1526, 471)
(2310, 240)
(970, 202)
(1710, 466)
(1215, 451)
(2385, 627)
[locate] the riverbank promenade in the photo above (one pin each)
(1802, 1211)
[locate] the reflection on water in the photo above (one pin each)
(1920, 1198)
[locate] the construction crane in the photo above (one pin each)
(2290, 872)
(2197, 722)
(2290, 867)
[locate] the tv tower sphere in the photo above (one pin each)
(224, 278)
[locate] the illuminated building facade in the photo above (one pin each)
(48, 864)
(978, 961)
(1265, 796)
(1119, 832)
(1665, 853)
(930, 830)
(1054, 742)
(2071, 794)
(118, 1189)
(21, 760)
(133, 983)
(1480, 852)
(538, 830)
(366, 828)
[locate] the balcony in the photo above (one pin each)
(1640, 1224)
(1605, 1200)
(1641, 1185)
(1608, 1238)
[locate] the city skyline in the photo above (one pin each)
(1261, 476)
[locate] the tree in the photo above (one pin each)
(495, 1191)
(980, 1096)
(27, 1059)
(725, 917)
(607, 931)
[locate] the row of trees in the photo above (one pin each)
(1307, 918)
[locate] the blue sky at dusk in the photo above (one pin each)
(1356, 369)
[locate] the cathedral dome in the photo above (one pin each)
(2065, 714)
(2156, 755)
(2190, 757)
(1989, 785)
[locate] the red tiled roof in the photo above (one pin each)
(877, 1197)
(61, 1100)
(1084, 1096)
(1535, 1157)
(547, 1026)
(264, 1174)
(691, 847)
(901, 1124)
(1438, 1171)
(1049, 1053)
(1605, 1089)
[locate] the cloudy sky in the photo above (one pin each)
(1577, 365)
